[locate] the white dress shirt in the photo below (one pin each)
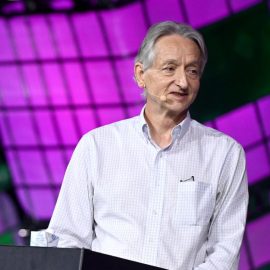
(182, 207)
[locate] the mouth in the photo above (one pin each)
(178, 94)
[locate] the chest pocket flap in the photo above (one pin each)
(195, 203)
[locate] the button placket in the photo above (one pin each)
(153, 225)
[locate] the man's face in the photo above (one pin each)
(174, 73)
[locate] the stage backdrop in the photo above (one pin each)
(64, 73)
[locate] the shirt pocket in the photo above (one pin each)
(195, 203)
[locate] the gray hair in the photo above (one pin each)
(146, 52)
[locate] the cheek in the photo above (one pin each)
(156, 83)
(150, 80)
(195, 85)
(194, 89)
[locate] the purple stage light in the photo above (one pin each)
(55, 86)
(124, 29)
(60, 26)
(87, 36)
(202, 12)
(241, 124)
(238, 5)
(34, 85)
(62, 4)
(14, 166)
(5, 44)
(134, 110)
(109, 115)
(210, 124)
(56, 164)
(75, 80)
(46, 128)
(20, 122)
(103, 82)
(247, 125)
(43, 44)
(244, 263)
(33, 167)
(11, 88)
(258, 166)
(86, 119)
(21, 38)
(65, 122)
(38, 203)
(131, 93)
(165, 10)
(264, 108)
(44, 209)
(13, 7)
(259, 238)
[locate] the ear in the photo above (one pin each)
(138, 72)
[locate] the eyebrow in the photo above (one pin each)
(194, 63)
(175, 62)
(170, 61)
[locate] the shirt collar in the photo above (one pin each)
(178, 131)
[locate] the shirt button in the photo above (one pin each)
(155, 212)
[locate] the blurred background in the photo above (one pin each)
(66, 67)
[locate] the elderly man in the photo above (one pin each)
(159, 188)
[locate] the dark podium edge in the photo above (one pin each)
(51, 258)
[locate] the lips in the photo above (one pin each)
(179, 94)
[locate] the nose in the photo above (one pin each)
(181, 79)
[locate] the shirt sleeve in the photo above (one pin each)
(72, 219)
(229, 218)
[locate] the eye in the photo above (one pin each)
(169, 69)
(193, 72)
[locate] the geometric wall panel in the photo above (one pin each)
(65, 74)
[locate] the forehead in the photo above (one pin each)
(176, 47)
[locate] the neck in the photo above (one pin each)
(161, 125)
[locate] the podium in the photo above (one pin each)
(43, 258)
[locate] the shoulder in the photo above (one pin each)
(110, 131)
(208, 135)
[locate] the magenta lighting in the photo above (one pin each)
(63, 74)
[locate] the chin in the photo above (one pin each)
(179, 106)
(177, 110)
